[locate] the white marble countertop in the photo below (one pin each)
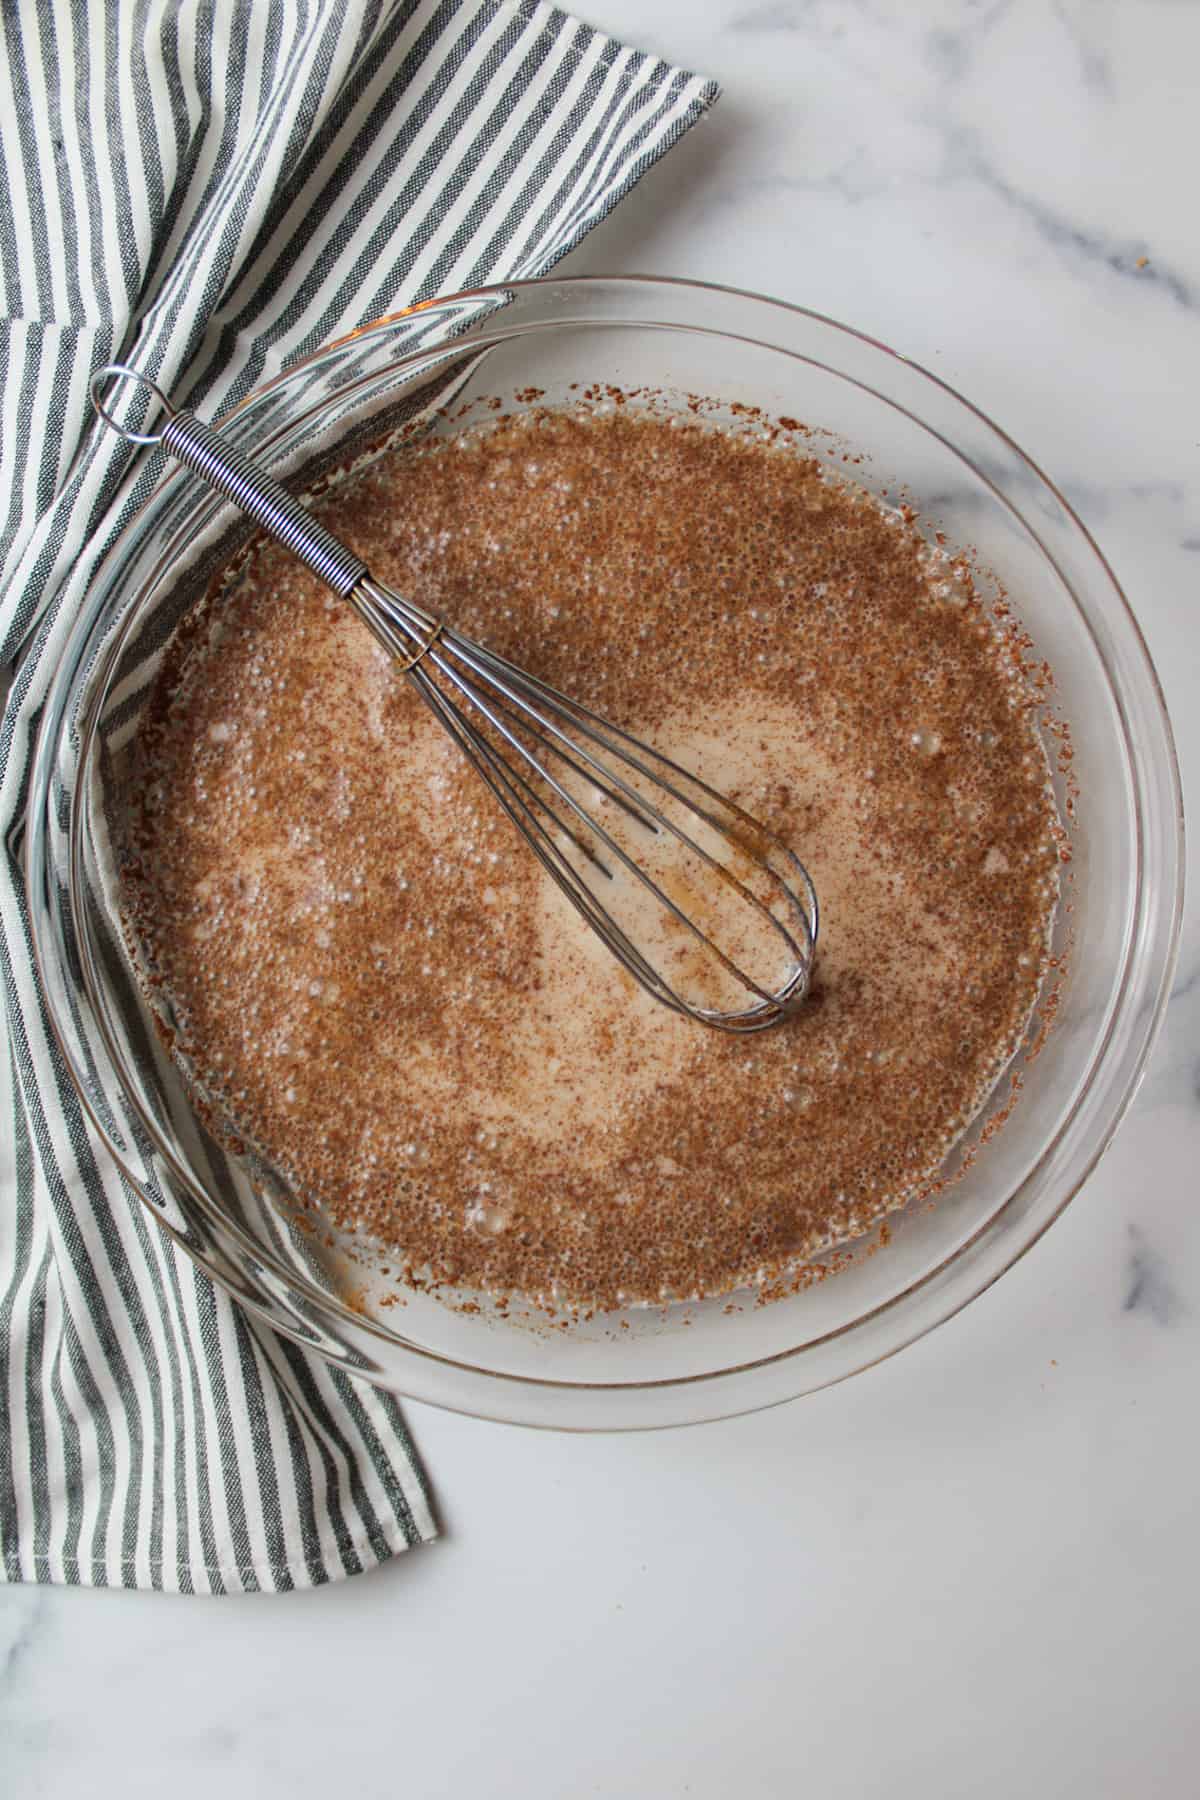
(974, 1569)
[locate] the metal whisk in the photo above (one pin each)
(711, 913)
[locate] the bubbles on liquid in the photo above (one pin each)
(488, 1213)
(925, 741)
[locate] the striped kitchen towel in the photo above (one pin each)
(211, 189)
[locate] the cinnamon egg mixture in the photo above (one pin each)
(373, 982)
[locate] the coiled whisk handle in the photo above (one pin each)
(232, 473)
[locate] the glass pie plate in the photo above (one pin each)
(1118, 923)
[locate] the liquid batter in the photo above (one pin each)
(373, 981)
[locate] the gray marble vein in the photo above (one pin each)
(1095, 65)
(1128, 258)
(789, 17)
(21, 1622)
(1149, 1286)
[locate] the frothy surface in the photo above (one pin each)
(376, 983)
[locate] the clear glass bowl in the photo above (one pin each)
(700, 1361)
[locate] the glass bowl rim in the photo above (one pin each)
(48, 737)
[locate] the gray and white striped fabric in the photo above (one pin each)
(211, 190)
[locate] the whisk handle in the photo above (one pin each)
(232, 473)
